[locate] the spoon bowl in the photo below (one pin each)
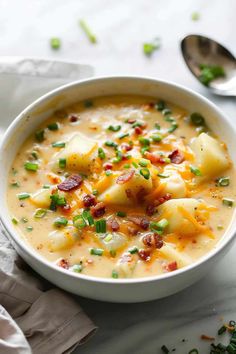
(199, 51)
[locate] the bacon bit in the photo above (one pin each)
(89, 261)
(107, 166)
(140, 221)
(154, 158)
(89, 200)
(145, 255)
(153, 240)
(125, 177)
(163, 199)
(70, 183)
(128, 193)
(98, 210)
(63, 263)
(140, 195)
(170, 267)
(150, 210)
(132, 230)
(73, 118)
(131, 121)
(113, 224)
(205, 337)
(126, 147)
(176, 156)
(138, 130)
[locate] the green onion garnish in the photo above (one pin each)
(55, 43)
(114, 274)
(133, 250)
(39, 136)
(79, 222)
(160, 106)
(62, 163)
(23, 195)
(210, 73)
(108, 238)
(96, 251)
(95, 192)
(114, 128)
(221, 330)
(29, 228)
(143, 163)
(88, 217)
(223, 181)
(144, 149)
(169, 119)
(60, 221)
(101, 153)
(135, 164)
(24, 220)
(77, 268)
(53, 126)
(144, 141)
(88, 31)
(162, 175)
(14, 221)
(228, 202)
(195, 170)
(113, 253)
(88, 103)
(159, 226)
(173, 127)
(157, 126)
(195, 16)
(108, 173)
(118, 157)
(40, 213)
(56, 200)
(121, 214)
(111, 143)
(35, 155)
(127, 165)
(122, 136)
(46, 186)
(145, 173)
(150, 47)
(15, 184)
(166, 111)
(31, 166)
(59, 144)
(156, 138)
(197, 119)
(100, 226)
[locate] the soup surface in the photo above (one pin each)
(122, 186)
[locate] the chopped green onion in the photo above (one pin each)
(24, 220)
(231, 348)
(100, 226)
(31, 166)
(143, 163)
(40, 213)
(221, 330)
(195, 16)
(87, 31)
(157, 126)
(166, 111)
(56, 200)
(228, 202)
(169, 119)
(144, 149)
(145, 173)
(127, 165)
(173, 127)
(79, 222)
(135, 164)
(77, 268)
(35, 155)
(197, 119)
(14, 221)
(165, 349)
(122, 136)
(137, 124)
(121, 214)
(118, 157)
(156, 138)
(62, 163)
(113, 253)
(39, 136)
(15, 184)
(108, 238)
(210, 73)
(29, 228)
(114, 274)
(101, 153)
(108, 173)
(144, 141)
(159, 226)
(95, 192)
(60, 221)
(133, 250)
(23, 195)
(220, 227)
(195, 171)
(223, 181)
(46, 186)
(162, 175)
(59, 144)
(88, 103)
(111, 143)
(53, 126)
(55, 43)
(150, 47)
(88, 217)
(160, 106)
(114, 128)
(96, 251)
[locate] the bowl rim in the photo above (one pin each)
(28, 249)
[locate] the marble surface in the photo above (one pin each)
(121, 27)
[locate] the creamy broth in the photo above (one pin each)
(122, 186)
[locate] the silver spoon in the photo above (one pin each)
(199, 51)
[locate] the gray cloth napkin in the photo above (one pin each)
(52, 321)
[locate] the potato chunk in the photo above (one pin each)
(79, 154)
(210, 156)
(112, 241)
(181, 216)
(63, 239)
(41, 198)
(174, 184)
(126, 264)
(125, 194)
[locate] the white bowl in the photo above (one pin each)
(117, 290)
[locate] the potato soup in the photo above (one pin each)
(122, 187)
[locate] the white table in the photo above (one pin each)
(121, 27)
